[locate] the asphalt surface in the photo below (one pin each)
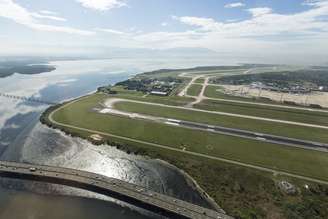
(254, 135)
(123, 191)
(111, 101)
(281, 140)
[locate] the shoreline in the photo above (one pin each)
(192, 182)
(44, 119)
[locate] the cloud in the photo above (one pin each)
(48, 12)
(235, 5)
(20, 15)
(265, 22)
(51, 17)
(166, 36)
(259, 11)
(271, 34)
(164, 24)
(102, 5)
(203, 23)
(117, 32)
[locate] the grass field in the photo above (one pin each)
(296, 115)
(194, 90)
(300, 132)
(200, 80)
(134, 95)
(303, 162)
(176, 73)
(213, 91)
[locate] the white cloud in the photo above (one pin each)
(48, 12)
(51, 17)
(102, 5)
(259, 11)
(235, 5)
(20, 15)
(160, 37)
(266, 32)
(164, 24)
(112, 31)
(203, 23)
(264, 22)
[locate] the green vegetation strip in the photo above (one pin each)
(134, 95)
(194, 90)
(214, 91)
(200, 80)
(296, 115)
(298, 161)
(293, 131)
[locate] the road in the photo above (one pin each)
(257, 167)
(183, 92)
(123, 191)
(256, 136)
(110, 109)
(201, 96)
(113, 100)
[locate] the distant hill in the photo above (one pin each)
(196, 69)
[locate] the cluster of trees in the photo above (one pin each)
(132, 84)
(107, 90)
(148, 84)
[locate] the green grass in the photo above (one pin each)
(124, 92)
(287, 130)
(134, 95)
(213, 91)
(300, 161)
(194, 90)
(200, 80)
(176, 73)
(305, 116)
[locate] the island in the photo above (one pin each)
(8, 68)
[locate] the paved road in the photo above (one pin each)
(200, 96)
(256, 136)
(257, 167)
(110, 108)
(183, 92)
(123, 191)
(224, 113)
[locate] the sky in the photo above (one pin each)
(254, 28)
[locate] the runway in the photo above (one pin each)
(221, 130)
